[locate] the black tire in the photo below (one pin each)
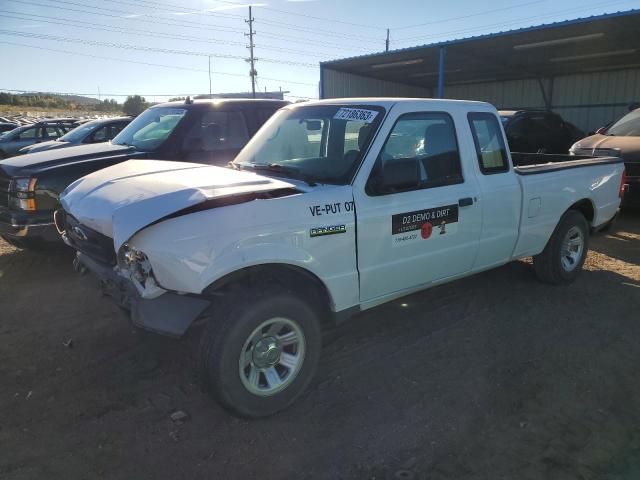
(227, 332)
(548, 265)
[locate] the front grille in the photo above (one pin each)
(4, 189)
(88, 241)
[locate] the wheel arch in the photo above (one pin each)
(291, 277)
(586, 207)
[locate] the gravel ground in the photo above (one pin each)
(493, 377)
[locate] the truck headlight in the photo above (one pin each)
(22, 193)
(135, 263)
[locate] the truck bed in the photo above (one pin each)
(534, 163)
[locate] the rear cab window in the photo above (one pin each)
(489, 143)
(217, 130)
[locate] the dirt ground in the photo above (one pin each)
(493, 377)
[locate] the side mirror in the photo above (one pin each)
(601, 131)
(395, 175)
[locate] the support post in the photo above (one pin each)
(441, 73)
(386, 49)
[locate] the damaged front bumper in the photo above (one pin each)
(168, 314)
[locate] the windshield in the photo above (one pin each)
(627, 126)
(317, 143)
(79, 133)
(151, 128)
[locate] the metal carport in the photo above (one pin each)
(587, 69)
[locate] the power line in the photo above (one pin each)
(199, 26)
(175, 67)
(484, 12)
(230, 15)
(513, 22)
(297, 14)
(128, 46)
(187, 22)
(146, 33)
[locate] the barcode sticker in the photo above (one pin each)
(357, 114)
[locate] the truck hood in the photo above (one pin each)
(629, 146)
(44, 146)
(33, 163)
(121, 200)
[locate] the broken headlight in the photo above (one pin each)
(135, 263)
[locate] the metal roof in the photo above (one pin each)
(600, 42)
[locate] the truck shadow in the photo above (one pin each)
(623, 242)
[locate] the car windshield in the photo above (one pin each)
(627, 126)
(79, 133)
(151, 128)
(320, 143)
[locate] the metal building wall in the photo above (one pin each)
(336, 84)
(588, 100)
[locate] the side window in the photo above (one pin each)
(116, 128)
(421, 152)
(28, 134)
(489, 142)
(217, 131)
(50, 132)
(100, 135)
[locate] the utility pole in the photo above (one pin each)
(251, 60)
(99, 98)
(387, 42)
(209, 76)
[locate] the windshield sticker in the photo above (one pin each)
(424, 224)
(357, 114)
(329, 230)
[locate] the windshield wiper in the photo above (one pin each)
(282, 170)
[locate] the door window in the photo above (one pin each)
(100, 135)
(28, 134)
(50, 132)
(217, 131)
(423, 141)
(489, 142)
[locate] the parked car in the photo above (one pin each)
(11, 142)
(7, 126)
(94, 131)
(621, 138)
(308, 225)
(207, 131)
(538, 131)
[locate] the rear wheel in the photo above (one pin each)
(562, 259)
(257, 357)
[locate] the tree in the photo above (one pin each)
(134, 105)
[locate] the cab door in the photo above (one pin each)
(417, 216)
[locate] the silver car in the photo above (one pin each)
(12, 141)
(94, 131)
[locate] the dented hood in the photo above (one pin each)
(121, 200)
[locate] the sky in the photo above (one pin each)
(162, 48)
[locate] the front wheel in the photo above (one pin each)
(562, 259)
(257, 357)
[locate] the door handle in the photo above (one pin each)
(465, 202)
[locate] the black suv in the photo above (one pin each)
(202, 131)
(538, 131)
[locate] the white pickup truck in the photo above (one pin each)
(332, 208)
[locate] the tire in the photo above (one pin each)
(562, 259)
(239, 332)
